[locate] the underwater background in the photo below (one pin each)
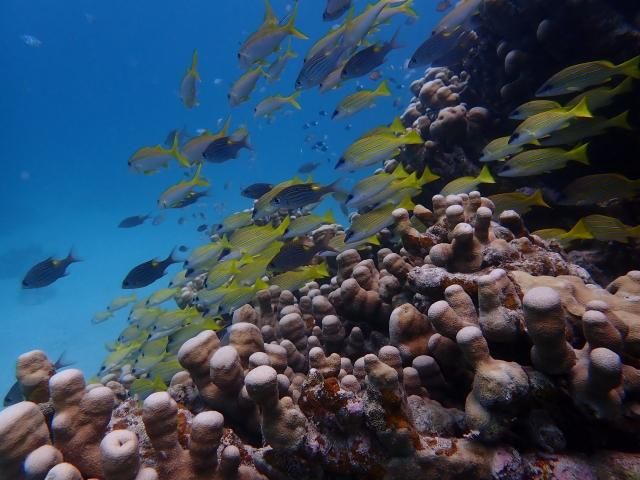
(103, 82)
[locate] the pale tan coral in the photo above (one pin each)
(33, 371)
(121, 457)
(409, 331)
(500, 313)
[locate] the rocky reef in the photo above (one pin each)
(474, 350)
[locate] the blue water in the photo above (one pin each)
(103, 83)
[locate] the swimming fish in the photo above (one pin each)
(234, 221)
(609, 229)
(160, 296)
(256, 190)
(542, 124)
(244, 85)
(320, 65)
(357, 28)
(467, 184)
(371, 149)
(369, 58)
(367, 224)
(308, 167)
(518, 201)
(335, 9)
(121, 302)
(268, 38)
(368, 187)
(235, 296)
(542, 160)
(263, 205)
(148, 272)
(227, 148)
(133, 221)
(306, 223)
(459, 17)
(254, 267)
(534, 107)
(355, 102)
(220, 273)
(14, 395)
(499, 149)
(397, 8)
(100, 317)
(582, 128)
(563, 237)
(443, 5)
(602, 187)
(598, 98)
(577, 78)
(194, 148)
(302, 194)
(148, 160)
(338, 243)
(269, 105)
(189, 199)
(178, 192)
(203, 256)
(191, 78)
(274, 71)
(254, 238)
(48, 271)
(31, 41)
(295, 279)
(399, 188)
(437, 46)
(327, 42)
(143, 387)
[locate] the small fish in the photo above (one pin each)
(499, 149)
(338, 244)
(437, 46)
(563, 237)
(308, 167)
(518, 201)
(227, 148)
(542, 160)
(121, 302)
(48, 271)
(269, 105)
(160, 296)
(368, 187)
(254, 238)
(141, 388)
(542, 124)
(180, 191)
(609, 229)
(598, 98)
(183, 248)
(582, 128)
(599, 188)
(234, 221)
(100, 317)
(194, 148)
(221, 272)
(367, 224)
(189, 199)
(148, 272)
(133, 221)
(202, 228)
(369, 58)
(462, 13)
(268, 37)
(31, 41)
(357, 28)
(534, 107)
(293, 255)
(355, 102)
(253, 267)
(242, 88)
(443, 5)
(295, 279)
(467, 184)
(188, 84)
(375, 75)
(371, 149)
(148, 160)
(306, 223)
(14, 395)
(320, 65)
(204, 255)
(335, 9)
(275, 70)
(397, 8)
(577, 78)
(263, 206)
(301, 195)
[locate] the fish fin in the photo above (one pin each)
(383, 89)
(581, 109)
(269, 16)
(182, 160)
(630, 68)
(412, 138)
(578, 232)
(194, 65)
(260, 285)
(408, 10)
(225, 128)
(291, 28)
(284, 225)
(634, 232)
(198, 180)
(428, 176)
(292, 99)
(373, 240)
(580, 154)
(290, 53)
(485, 175)
(407, 203)
(62, 362)
(396, 126)
(321, 270)
(400, 172)
(72, 257)
(329, 218)
(623, 87)
(159, 385)
(620, 121)
(538, 200)
(224, 242)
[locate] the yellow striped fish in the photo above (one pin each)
(367, 224)
(254, 238)
(517, 201)
(599, 188)
(295, 279)
(467, 184)
(603, 96)
(542, 160)
(355, 102)
(534, 107)
(375, 148)
(499, 149)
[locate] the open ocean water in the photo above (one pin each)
(100, 82)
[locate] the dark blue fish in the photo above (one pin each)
(133, 221)
(226, 148)
(202, 228)
(14, 395)
(148, 272)
(48, 271)
(183, 248)
(319, 66)
(369, 58)
(308, 167)
(256, 190)
(335, 9)
(302, 194)
(293, 255)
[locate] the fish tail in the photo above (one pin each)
(623, 87)
(321, 271)
(329, 218)
(72, 257)
(383, 89)
(172, 256)
(290, 26)
(62, 362)
(224, 242)
(412, 138)
(194, 64)
(290, 52)
(225, 128)
(538, 200)
(485, 175)
(408, 10)
(269, 16)
(292, 99)
(620, 121)
(198, 180)
(284, 226)
(260, 285)
(579, 232)
(393, 43)
(634, 232)
(580, 154)
(396, 126)
(182, 160)
(630, 68)
(407, 203)
(581, 109)
(428, 176)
